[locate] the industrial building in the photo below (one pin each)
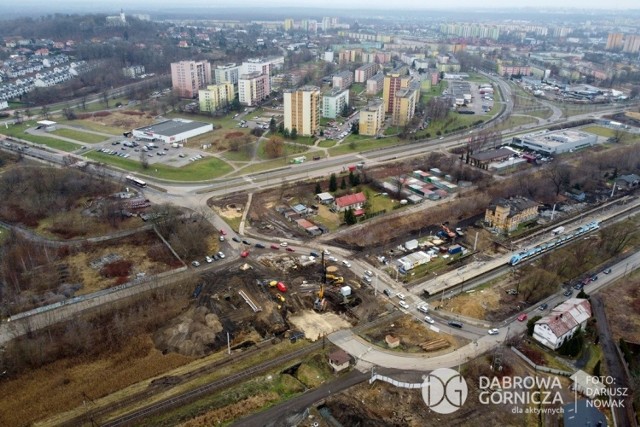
(556, 142)
(170, 131)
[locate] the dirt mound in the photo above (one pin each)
(315, 325)
(233, 135)
(193, 333)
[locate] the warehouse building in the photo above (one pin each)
(556, 142)
(171, 131)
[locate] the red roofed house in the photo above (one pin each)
(350, 201)
(562, 323)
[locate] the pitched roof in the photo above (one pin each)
(351, 199)
(339, 357)
(567, 316)
(515, 204)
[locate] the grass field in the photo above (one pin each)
(90, 138)
(200, 170)
(18, 131)
(599, 130)
(514, 121)
(362, 143)
(91, 125)
(327, 143)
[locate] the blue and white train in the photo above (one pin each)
(529, 253)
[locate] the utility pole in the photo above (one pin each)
(475, 243)
(228, 344)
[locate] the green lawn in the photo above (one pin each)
(80, 136)
(326, 143)
(599, 130)
(242, 155)
(515, 121)
(99, 105)
(275, 163)
(478, 78)
(543, 113)
(18, 131)
(306, 140)
(200, 170)
(392, 130)
(379, 203)
(94, 126)
(362, 143)
(357, 88)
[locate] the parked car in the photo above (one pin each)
(224, 233)
(274, 246)
(429, 320)
(567, 293)
(333, 259)
(401, 296)
(543, 307)
(387, 292)
(494, 331)
(522, 317)
(221, 255)
(246, 242)
(607, 271)
(244, 254)
(403, 304)
(368, 273)
(346, 263)
(284, 244)
(578, 287)
(222, 238)
(594, 277)
(260, 245)
(367, 279)
(195, 263)
(235, 239)
(315, 254)
(208, 259)
(290, 249)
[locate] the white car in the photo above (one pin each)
(429, 320)
(326, 252)
(423, 308)
(284, 244)
(346, 263)
(221, 255)
(403, 304)
(401, 296)
(222, 238)
(333, 259)
(208, 259)
(494, 331)
(195, 263)
(368, 273)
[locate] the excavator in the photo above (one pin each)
(450, 234)
(320, 303)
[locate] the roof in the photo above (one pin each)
(492, 154)
(515, 204)
(567, 316)
(339, 357)
(305, 223)
(351, 199)
(629, 179)
(46, 123)
(325, 196)
(172, 127)
(587, 384)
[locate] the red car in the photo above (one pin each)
(274, 246)
(224, 233)
(522, 317)
(244, 254)
(289, 249)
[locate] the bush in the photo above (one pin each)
(572, 346)
(120, 268)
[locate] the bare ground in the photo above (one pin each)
(314, 325)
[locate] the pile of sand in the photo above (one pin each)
(314, 325)
(191, 334)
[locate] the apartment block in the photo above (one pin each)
(343, 80)
(372, 118)
(614, 41)
(333, 102)
(265, 66)
(375, 84)
(302, 110)
(404, 104)
(253, 88)
(187, 77)
(363, 73)
(392, 84)
(228, 73)
(215, 97)
(631, 43)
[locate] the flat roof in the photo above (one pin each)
(46, 123)
(172, 127)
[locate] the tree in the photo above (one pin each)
(343, 184)
(44, 112)
(333, 183)
(105, 98)
(274, 147)
(143, 160)
(349, 217)
(619, 136)
(560, 176)
(318, 189)
(345, 110)
(272, 125)
(531, 324)
(17, 116)
(69, 113)
(281, 128)
(355, 127)
(294, 134)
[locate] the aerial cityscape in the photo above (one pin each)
(319, 214)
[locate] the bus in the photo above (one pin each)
(135, 181)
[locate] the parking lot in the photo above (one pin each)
(152, 152)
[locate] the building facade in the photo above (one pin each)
(562, 323)
(614, 41)
(363, 73)
(556, 142)
(392, 84)
(228, 73)
(302, 110)
(375, 84)
(188, 77)
(253, 88)
(507, 214)
(215, 97)
(343, 80)
(334, 102)
(404, 104)
(371, 118)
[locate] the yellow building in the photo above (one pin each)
(404, 106)
(371, 118)
(302, 110)
(288, 24)
(215, 97)
(507, 214)
(393, 83)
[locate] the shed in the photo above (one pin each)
(47, 125)
(588, 385)
(339, 360)
(325, 198)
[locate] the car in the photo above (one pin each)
(208, 259)
(429, 320)
(543, 307)
(246, 242)
(284, 244)
(401, 296)
(195, 263)
(368, 273)
(222, 238)
(333, 259)
(181, 155)
(326, 252)
(224, 233)
(578, 287)
(367, 279)
(235, 239)
(494, 331)
(244, 254)
(274, 246)
(403, 304)
(388, 292)
(315, 254)
(260, 245)
(149, 155)
(567, 293)
(607, 271)
(594, 277)
(346, 263)
(522, 317)
(423, 308)
(221, 255)
(455, 324)
(289, 249)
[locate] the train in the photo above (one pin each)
(537, 250)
